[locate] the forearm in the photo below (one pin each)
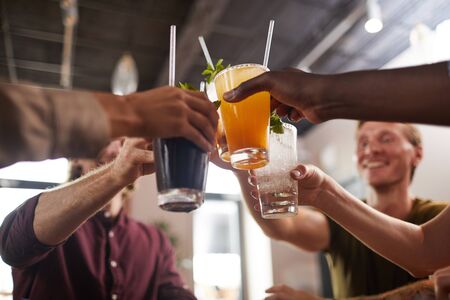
(422, 289)
(61, 211)
(416, 94)
(38, 123)
(398, 241)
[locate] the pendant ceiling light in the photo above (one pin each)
(374, 22)
(125, 77)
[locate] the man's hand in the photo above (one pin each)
(172, 112)
(293, 92)
(283, 292)
(313, 184)
(134, 160)
(442, 283)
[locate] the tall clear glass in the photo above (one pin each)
(278, 192)
(245, 123)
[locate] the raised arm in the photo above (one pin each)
(418, 249)
(62, 210)
(30, 231)
(38, 123)
(415, 94)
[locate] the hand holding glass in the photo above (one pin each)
(246, 123)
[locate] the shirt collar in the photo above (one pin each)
(104, 217)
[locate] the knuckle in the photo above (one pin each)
(183, 96)
(201, 96)
(175, 96)
(179, 93)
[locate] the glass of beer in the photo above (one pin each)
(246, 123)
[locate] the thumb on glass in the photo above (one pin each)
(258, 84)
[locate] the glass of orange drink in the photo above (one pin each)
(246, 123)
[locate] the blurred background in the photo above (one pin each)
(122, 46)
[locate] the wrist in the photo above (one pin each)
(331, 98)
(116, 178)
(329, 194)
(123, 119)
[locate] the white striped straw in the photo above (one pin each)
(268, 43)
(205, 51)
(172, 54)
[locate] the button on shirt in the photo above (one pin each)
(104, 259)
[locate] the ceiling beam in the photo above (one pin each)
(109, 45)
(198, 23)
(31, 65)
(333, 36)
(125, 9)
(9, 50)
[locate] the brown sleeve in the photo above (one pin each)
(38, 123)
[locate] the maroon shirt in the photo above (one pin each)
(103, 259)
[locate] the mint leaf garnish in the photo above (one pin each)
(187, 86)
(210, 73)
(276, 126)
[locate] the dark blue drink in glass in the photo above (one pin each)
(181, 170)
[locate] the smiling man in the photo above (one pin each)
(387, 156)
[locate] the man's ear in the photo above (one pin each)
(110, 151)
(75, 169)
(418, 155)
